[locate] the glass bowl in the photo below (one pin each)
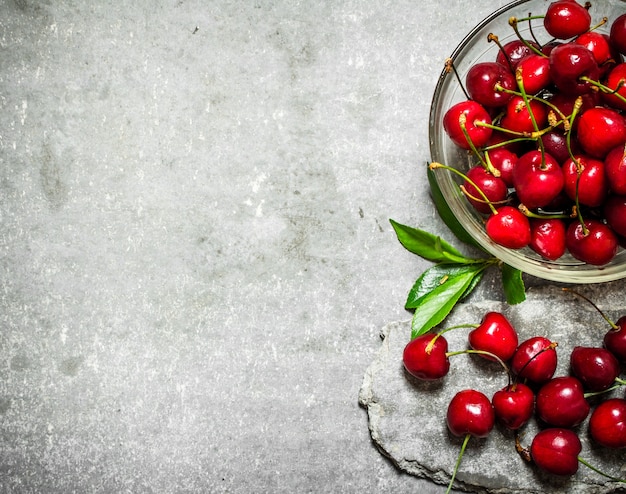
(474, 48)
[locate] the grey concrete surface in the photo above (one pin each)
(195, 253)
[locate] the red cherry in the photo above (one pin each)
(425, 357)
(493, 187)
(596, 368)
(514, 51)
(592, 186)
(615, 168)
(535, 359)
(618, 33)
(601, 129)
(514, 405)
(547, 237)
(509, 228)
(615, 81)
(535, 73)
(615, 213)
(504, 161)
(556, 145)
(597, 246)
(472, 113)
(599, 44)
(565, 104)
(470, 412)
(561, 402)
(607, 424)
(570, 62)
(566, 19)
(481, 83)
(538, 179)
(615, 339)
(555, 450)
(520, 117)
(495, 335)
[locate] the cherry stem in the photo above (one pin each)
(588, 465)
(544, 216)
(604, 316)
(458, 462)
(450, 67)
(433, 166)
(605, 89)
(514, 21)
(484, 353)
(618, 384)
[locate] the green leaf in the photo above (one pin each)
(434, 277)
(427, 245)
(434, 306)
(513, 284)
(446, 213)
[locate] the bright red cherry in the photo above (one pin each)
(470, 412)
(565, 19)
(561, 402)
(596, 368)
(521, 117)
(547, 237)
(615, 81)
(482, 81)
(503, 160)
(469, 115)
(555, 450)
(600, 129)
(495, 335)
(538, 179)
(607, 424)
(592, 185)
(425, 357)
(599, 44)
(594, 244)
(534, 71)
(535, 359)
(514, 405)
(509, 228)
(493, 187)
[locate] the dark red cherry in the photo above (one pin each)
(514, 51)
(600, 129)
(592, 185)
(425, 357)
(495, 335)
(565, 19)
(470, 412)
(538, 179)
(482, 81)
(569, 63)
(535, 359)
(561, 402)
(595, 367)
(514, 405)
(556, 145)
(615, 213)
(555, 450)
(617, 34)
(547, 237)
(607, 424)
(597, 245)
(615, 167)
(493, 187)
(509, 228)
(469, 115)
(615, 340)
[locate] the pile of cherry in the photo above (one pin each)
(547, 126)
(558, 404)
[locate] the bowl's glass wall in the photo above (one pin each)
(474, 48)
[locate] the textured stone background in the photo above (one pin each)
(195, 253)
